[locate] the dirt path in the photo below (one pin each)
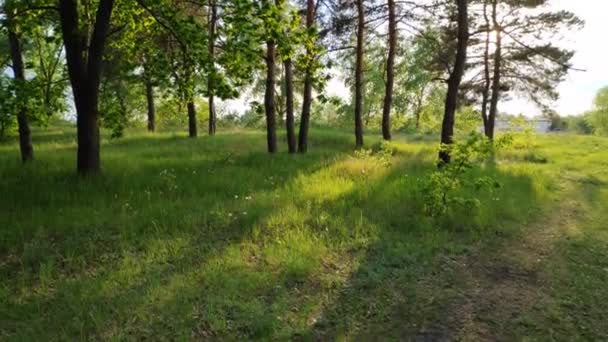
(504, 283)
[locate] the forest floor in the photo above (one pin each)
(213, 239)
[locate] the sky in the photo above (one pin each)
(579, 88)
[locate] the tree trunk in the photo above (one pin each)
(289, 119)
(418, 110)
(25, 141)
(486, 72)
(451, 101)
(390, 71)
(88, 136)
(84, 70)
(496, 78)
(151, 107)
(192, 129)
(210, 81)
(271, 134)
(359, 76)
(307, 98)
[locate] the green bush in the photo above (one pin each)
(454, 187)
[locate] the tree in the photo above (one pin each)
(271, 16)
(525, 60)
(447, 127)
(16, 52)
(271, 135)
(390, 71)
(598, 117)
(211, 78)
(308, 79)
(359, 75)
(289, 39)
(496, 78)
(84, 71)
(150, 102)
(486, 70)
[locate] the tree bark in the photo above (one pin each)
(359, 76)
(496, 78)
(451, 101)
(151, 106)
(486, 72)
(25, 140)
(289, 118)
(307, 98)
(417, 112)
(390, 71)
(84, 70)
(271, 134)
(211, 80)
(192, 129)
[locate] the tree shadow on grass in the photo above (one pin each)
(400, 289)
(315, 247)
(94, 257)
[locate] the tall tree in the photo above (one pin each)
(308, 79)
(359, 75)
(16, 52)
(524, 60)
(289, 116)
(451, 100)
(497, 74)
(269, 104)
(150, 101)
(84, 52)
(485, 95)
(210, 80)
(390, 71)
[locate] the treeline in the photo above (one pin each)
(406, 63)
(594, 121)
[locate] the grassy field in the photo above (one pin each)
(214, 239)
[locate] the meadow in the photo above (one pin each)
(215, 239)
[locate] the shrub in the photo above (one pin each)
(453, 186)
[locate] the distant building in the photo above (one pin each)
(538, 125)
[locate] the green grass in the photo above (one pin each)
(212, 238)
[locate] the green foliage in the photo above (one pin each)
(431, 112)
(381, 153)
(172, 113)
(8, 106)
(598, 117)
(578, 124)
(455, 187)
(42, 94)
(121, 103)
(48, 85)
